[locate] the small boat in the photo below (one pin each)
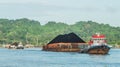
(98, 45)
(20, 47)
(16, 45)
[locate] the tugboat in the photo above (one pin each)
(98, 44)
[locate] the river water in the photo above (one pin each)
(34, 57)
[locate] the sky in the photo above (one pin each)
(67, 11)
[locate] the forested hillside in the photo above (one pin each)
(31, 31)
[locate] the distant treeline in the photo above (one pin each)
(30, 31)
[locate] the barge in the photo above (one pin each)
(65, 43)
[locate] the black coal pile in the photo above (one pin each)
(67, 38)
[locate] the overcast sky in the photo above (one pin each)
(67, 11)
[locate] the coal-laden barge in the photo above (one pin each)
(72, 43)
(97, 45)
(65, 43)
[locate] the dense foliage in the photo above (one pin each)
(30, 31)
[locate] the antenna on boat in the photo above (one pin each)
(98, 34)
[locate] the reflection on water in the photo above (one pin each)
(36, 58)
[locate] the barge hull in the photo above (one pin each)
(62, 50)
